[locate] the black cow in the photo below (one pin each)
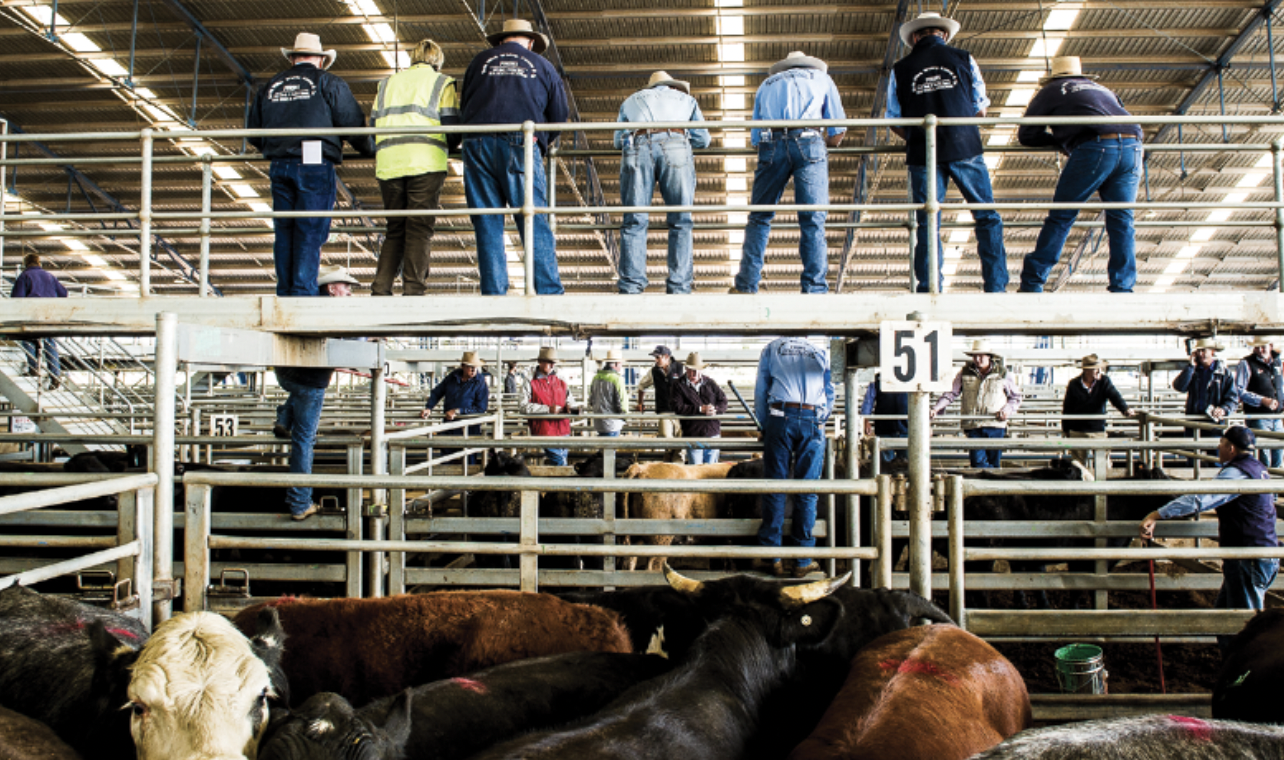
(1154, 737)
(499, 503)
(1247, 688)
(66, 665)
(134, 457)
(23, 738)
(458, 717)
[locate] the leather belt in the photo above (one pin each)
(645, 132)
(1117, 136)
(790, 405)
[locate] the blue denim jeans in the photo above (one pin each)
(986, 457)
(801, 155)
(665, 159)
(1268, 457)
(52, 361)
(494, 178)
(609, 433)
(301, 415)
(797, 437)
(556, 457)
(972, 177)
(702, 456)
(297, 248)
(1244, 585)
(1113, 169)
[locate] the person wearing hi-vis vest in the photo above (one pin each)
(988, 389)
(412, 168)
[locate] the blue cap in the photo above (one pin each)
(1240, 437)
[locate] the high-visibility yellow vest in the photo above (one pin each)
(416, 97)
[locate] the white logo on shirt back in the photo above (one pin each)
(291, 89)
(1079, 85)
(933, 79)
(509, 65)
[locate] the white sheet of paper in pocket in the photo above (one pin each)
(312, 152)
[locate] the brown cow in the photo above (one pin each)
(934, 692)
(365, 649)
(23, 738)
(671, 506)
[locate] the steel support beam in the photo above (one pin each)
(242, 73)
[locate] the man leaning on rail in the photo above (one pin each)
(1102, 158)
(1243, 520)
(938, 79)
(988, 390)
(304, 96)
(1088, 394)
(1261, 391)
(1207, 383)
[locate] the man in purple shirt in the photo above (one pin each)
(988, 390)
(35, 282)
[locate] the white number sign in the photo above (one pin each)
(915, 356)
(223, 425)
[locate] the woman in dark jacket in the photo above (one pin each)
(697, 394)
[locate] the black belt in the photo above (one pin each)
(791, 405)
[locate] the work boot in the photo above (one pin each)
(773, 568)
(55, 382)
(311, 510)
(802, 571)
(280, 432)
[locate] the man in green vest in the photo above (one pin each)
(412, 168)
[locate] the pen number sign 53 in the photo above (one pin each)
(915, 356)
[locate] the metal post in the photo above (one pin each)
(378, 466)
(883, 533)
(1100, 514)
(4, 185)
(207, 182)
(133, 45)
(831, 524)
(920, 493)
(852, 460)
(608, 514)
(196, 546)
(144, 515)
(1270, 46)
(356, 465)
(933, 208)
(397, 522)
(955, 517)
(166, 370)
(529, 562)
(551, 178)
(145, 234)
(1277, 166)
(196, 79)
(528, 205)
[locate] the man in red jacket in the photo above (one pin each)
(547, 393)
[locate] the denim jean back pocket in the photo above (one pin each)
(677, 152)
(812, 148)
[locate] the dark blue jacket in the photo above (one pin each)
(1250, 519)
(937, 79)
(305, 97)
(1212, 387)
(468, 396)
(1073, 96)
(35, 282)
(509, 84)
(879, 402)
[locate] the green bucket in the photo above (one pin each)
(1081, 669)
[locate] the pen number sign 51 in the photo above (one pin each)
(915, 356)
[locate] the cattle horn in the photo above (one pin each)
(797, 596)
(680, 582)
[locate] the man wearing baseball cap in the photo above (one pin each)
(1243, 520)
(662, 376)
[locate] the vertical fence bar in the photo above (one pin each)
(883, 533)
(196, 546)
(207, 182)
(955, 517)
(608, 514)
(933, 208)
(1270, 47)
(529, 562)
(528, 204)
(356, 466)
(378, 466)
(166, 371)
(1100, 513)
(396, 521)
(145, 220)
(920, 493)
(851, 419)
(133, 43)
(551, 178)
(4, 185)
(1277, 166)
(126, 531)
(831, 524)
(144, 506)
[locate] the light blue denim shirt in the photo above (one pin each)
(1191, 503)
(795, 371)
(662, 104)
(979, 98)
(800, 93)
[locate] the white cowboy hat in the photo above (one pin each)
(614, 355)
(694, 361)
(1067, 66)
(1092, 361)
(1262, 340)
(519, 27)
(547, 354)
(471, 359)
(307, 43)
(662, 79)
(1210, 343)
(929, 21)
(329, 273)
(797, 60)
(982, 346)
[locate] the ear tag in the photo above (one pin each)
(806, 620)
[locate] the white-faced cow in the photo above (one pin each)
(1154, 737)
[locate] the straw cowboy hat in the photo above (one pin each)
(662, 79)
(694, 361)
(1067, 66)
(982, 346)
(1210, 343)
(1092, 361)
(329, 273)
(307, 43)
(471, 359)
(614, 355)
(1262, 340)
(928, 21)
(516, 27)
(797, 60)
(547, 354)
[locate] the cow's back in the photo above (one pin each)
(932, 692)
(370, 648)
(23, 738)
(1247, 688)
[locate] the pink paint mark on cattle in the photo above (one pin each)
(920, 667)
(477, 687)
(122, 632)
(285, 599)
(62, 628)
(1198, 729)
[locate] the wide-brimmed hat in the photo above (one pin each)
(547, 354)
(929, 21)
(797, 60)
(306, 43)
(662, 79)
(471, 359)
(1067, 66)
(982, 346)
(614, 355)
(1262, 340)
(694, 361)
(519, 27)
(1209, 343)
(329, 273)
(1092, 361)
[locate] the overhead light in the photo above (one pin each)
(1061, 19)
(363, 8)
(731, 53)
(112, 274)
(1177, 266)
(94, 260)
(1252, 179)
(729, 3)
(733, 101)
(950, 269)
(1002, 137)
(260, 207)
(732, 80)
(738, 140)
(731, 26)
(1165, 281)
(1019, 97)
(1046, 47)
(226, 172)
(736, 237)
(1030, 76)
(958, 236)
(1188, 251)
(74, 245)
(244, 191)
(43, 15)
(380, 32)
(737, 184)
(79, 43)
(1265, 162)
(733, 164)
(992, 161)
(953, 252)
(400, 60)
(109, 67)
(1220, 215)
(1203, 234)
(737, 217)
(49, 226)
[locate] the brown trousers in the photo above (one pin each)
(406, 248)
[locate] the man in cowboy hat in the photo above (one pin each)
(1088, 394)
(938, 79)
(1244, 520)
(547, 393)
(1207, 383)
(1261, 391)
(411, 169)
(607, 395)
(510, 84)
(988, 391)
(304, 96)
(465, 393)
(798, 87)
(698, 396)
(662, 155)
(300, 416)
(1102, 158)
